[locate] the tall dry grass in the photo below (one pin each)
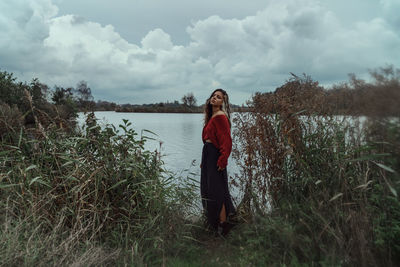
(318, 188)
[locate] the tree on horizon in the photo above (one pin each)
(189, 100)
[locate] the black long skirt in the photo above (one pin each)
(214, 186)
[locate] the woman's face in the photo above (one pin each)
(217, 99)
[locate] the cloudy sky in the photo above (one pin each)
(147, 51)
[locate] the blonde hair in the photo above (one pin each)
(225, 106)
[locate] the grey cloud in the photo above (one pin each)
(135, 19)
(78, 20)
(243, 55)
(391, 9)
(319, 46)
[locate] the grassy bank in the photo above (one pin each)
(98, 198)
(316, 191)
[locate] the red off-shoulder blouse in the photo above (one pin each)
(219, 132)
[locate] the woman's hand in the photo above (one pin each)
(220, 169)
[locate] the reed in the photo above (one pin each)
(317, 189)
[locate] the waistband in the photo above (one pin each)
(209, 145)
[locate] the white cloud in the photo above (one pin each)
(157, 40)
(242, 55)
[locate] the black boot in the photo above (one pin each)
(224, 228)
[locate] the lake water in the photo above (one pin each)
(178, 133)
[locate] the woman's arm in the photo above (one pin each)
(224, 139)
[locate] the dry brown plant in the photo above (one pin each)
(315, 170)
(270, 132)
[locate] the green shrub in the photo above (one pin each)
(97, 187)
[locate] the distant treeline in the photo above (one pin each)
(161, 107)
(174, 107)
(167, 107)
(188, 105)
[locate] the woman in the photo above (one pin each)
(216, 200)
